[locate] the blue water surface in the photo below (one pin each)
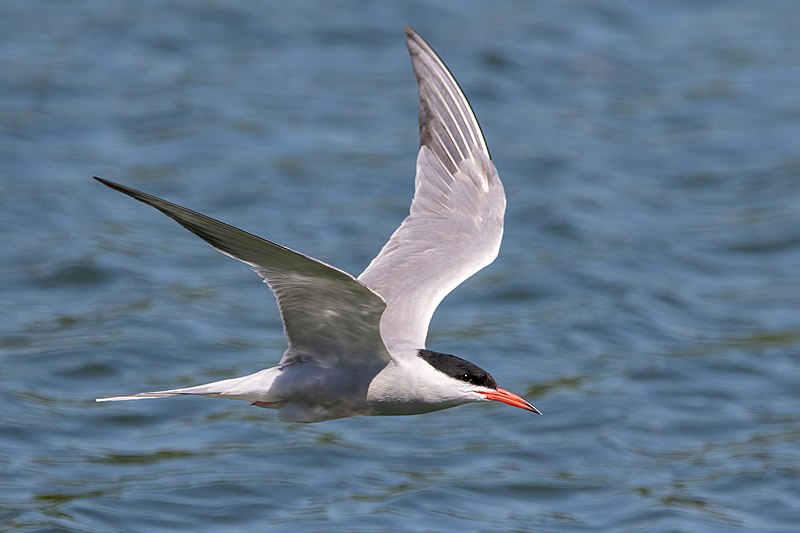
(646, 298)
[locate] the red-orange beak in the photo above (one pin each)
(502, 395)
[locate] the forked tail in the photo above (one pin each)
(145, 395)
(252, 388)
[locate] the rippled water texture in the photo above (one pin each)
(646, 297)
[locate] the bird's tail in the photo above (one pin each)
(145, 395)
(253, 388)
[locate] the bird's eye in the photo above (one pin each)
(458, 368)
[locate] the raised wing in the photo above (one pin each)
(328, 315)
(456, 220)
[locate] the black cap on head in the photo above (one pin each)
(458, 368)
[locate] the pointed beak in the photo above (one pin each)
(502, 395)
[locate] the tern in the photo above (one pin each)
(356, 346)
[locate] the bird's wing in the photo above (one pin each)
(456, 220)
(328, 316)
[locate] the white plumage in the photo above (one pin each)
(356, 346)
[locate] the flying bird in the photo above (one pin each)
(356, 346)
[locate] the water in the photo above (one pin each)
(646, 296)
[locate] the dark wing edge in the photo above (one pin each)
(327, 314)
(455, 223)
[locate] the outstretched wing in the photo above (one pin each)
(456, 220)
(328, 315)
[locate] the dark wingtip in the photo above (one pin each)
(133, 193)
(414, 37)
(108, 183)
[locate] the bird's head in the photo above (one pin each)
(476, 383)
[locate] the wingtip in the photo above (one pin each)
(133, 193)
(414, 39)
(107, 183)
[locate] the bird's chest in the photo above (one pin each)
(407, 390)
